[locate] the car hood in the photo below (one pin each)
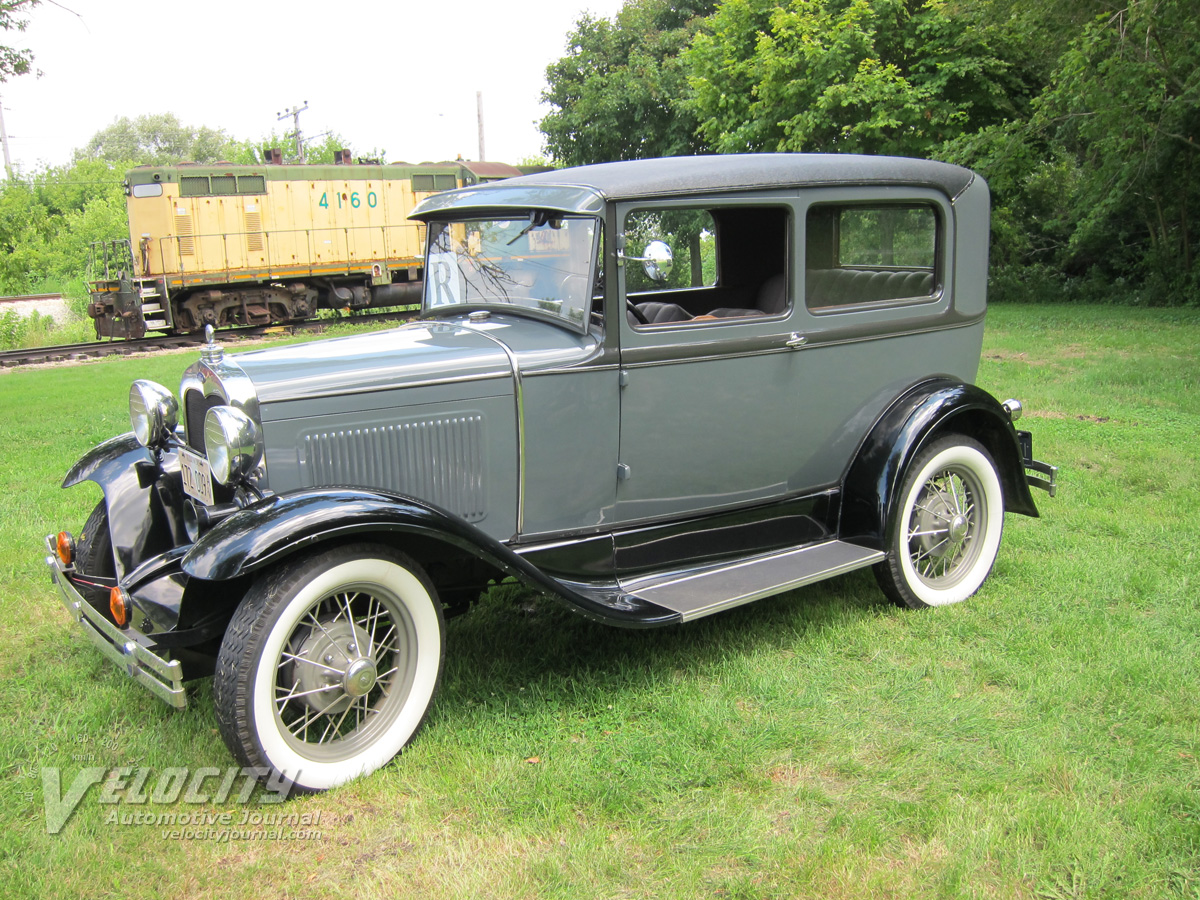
(426, 352)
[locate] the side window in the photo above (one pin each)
(690, 233)
(728, 262)
(857, 254)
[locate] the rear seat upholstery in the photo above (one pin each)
(823, 288)
(835, 287)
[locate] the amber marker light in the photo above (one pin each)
(118, 605)
(64, 546)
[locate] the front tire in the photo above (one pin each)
(330, 664)
(946, 529)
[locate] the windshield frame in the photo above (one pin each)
(529, 219)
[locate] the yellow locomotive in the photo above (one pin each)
(228, 245)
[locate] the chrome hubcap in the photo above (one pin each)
(943, 527)
(360, 677)
(344, 673)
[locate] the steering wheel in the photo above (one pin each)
(635, 312)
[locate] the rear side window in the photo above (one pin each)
(858, 254)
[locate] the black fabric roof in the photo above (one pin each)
(730, 172)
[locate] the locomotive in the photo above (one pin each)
(227, 245)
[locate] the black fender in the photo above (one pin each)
(921, 413)
(273, 529)
(144, 495)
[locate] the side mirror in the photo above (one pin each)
(658, 261)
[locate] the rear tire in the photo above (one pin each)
(330, 664)
(945, 532)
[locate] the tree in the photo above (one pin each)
(617, 93)
(158, 139)
(12, 18)
(864, 76)
(318, 150)
(1125, 103)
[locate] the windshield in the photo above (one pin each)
(540, 262)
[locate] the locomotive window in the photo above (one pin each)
(434, 182)
(224, 184)
(193, 186)
(147, 190)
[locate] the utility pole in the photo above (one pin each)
(294, 112)
(4, 140)
(479, 110)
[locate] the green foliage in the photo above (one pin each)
(1126, 103)
(24, 331)
(158, 139)
(319, 150)
(47, 224)
(617, 92)
(12, 18)
(1083, 115)
(871, 76)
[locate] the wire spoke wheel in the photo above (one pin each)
(943, 529)
(344, 673)
(947, 525)
(330, 665)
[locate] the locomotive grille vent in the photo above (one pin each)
(440, 461)
(183, 235)
(254, 238)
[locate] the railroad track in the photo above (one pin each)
(74, 353)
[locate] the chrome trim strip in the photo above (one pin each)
(163, 678)
(519, 398)
(381, 388)
(813, 344)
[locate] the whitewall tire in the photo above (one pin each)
(330, 664)
(946, 528)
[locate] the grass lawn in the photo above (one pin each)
(1041, 740)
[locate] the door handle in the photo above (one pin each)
(796, 341)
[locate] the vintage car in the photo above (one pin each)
(654, 390)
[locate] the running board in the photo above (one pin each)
(694, 594)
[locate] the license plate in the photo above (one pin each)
(197, 477)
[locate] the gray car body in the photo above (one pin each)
(352, 411)
(601, 461)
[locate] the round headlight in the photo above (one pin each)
(231, 444)
(153, 412)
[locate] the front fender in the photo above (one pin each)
(144, 496)
(274, 528)
(925, 410)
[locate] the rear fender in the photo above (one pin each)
(924, 412)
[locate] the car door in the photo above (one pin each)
(712, 391)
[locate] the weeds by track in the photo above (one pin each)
(72, 353)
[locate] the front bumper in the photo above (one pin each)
(125, 647)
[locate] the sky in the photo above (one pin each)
(398, 76)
